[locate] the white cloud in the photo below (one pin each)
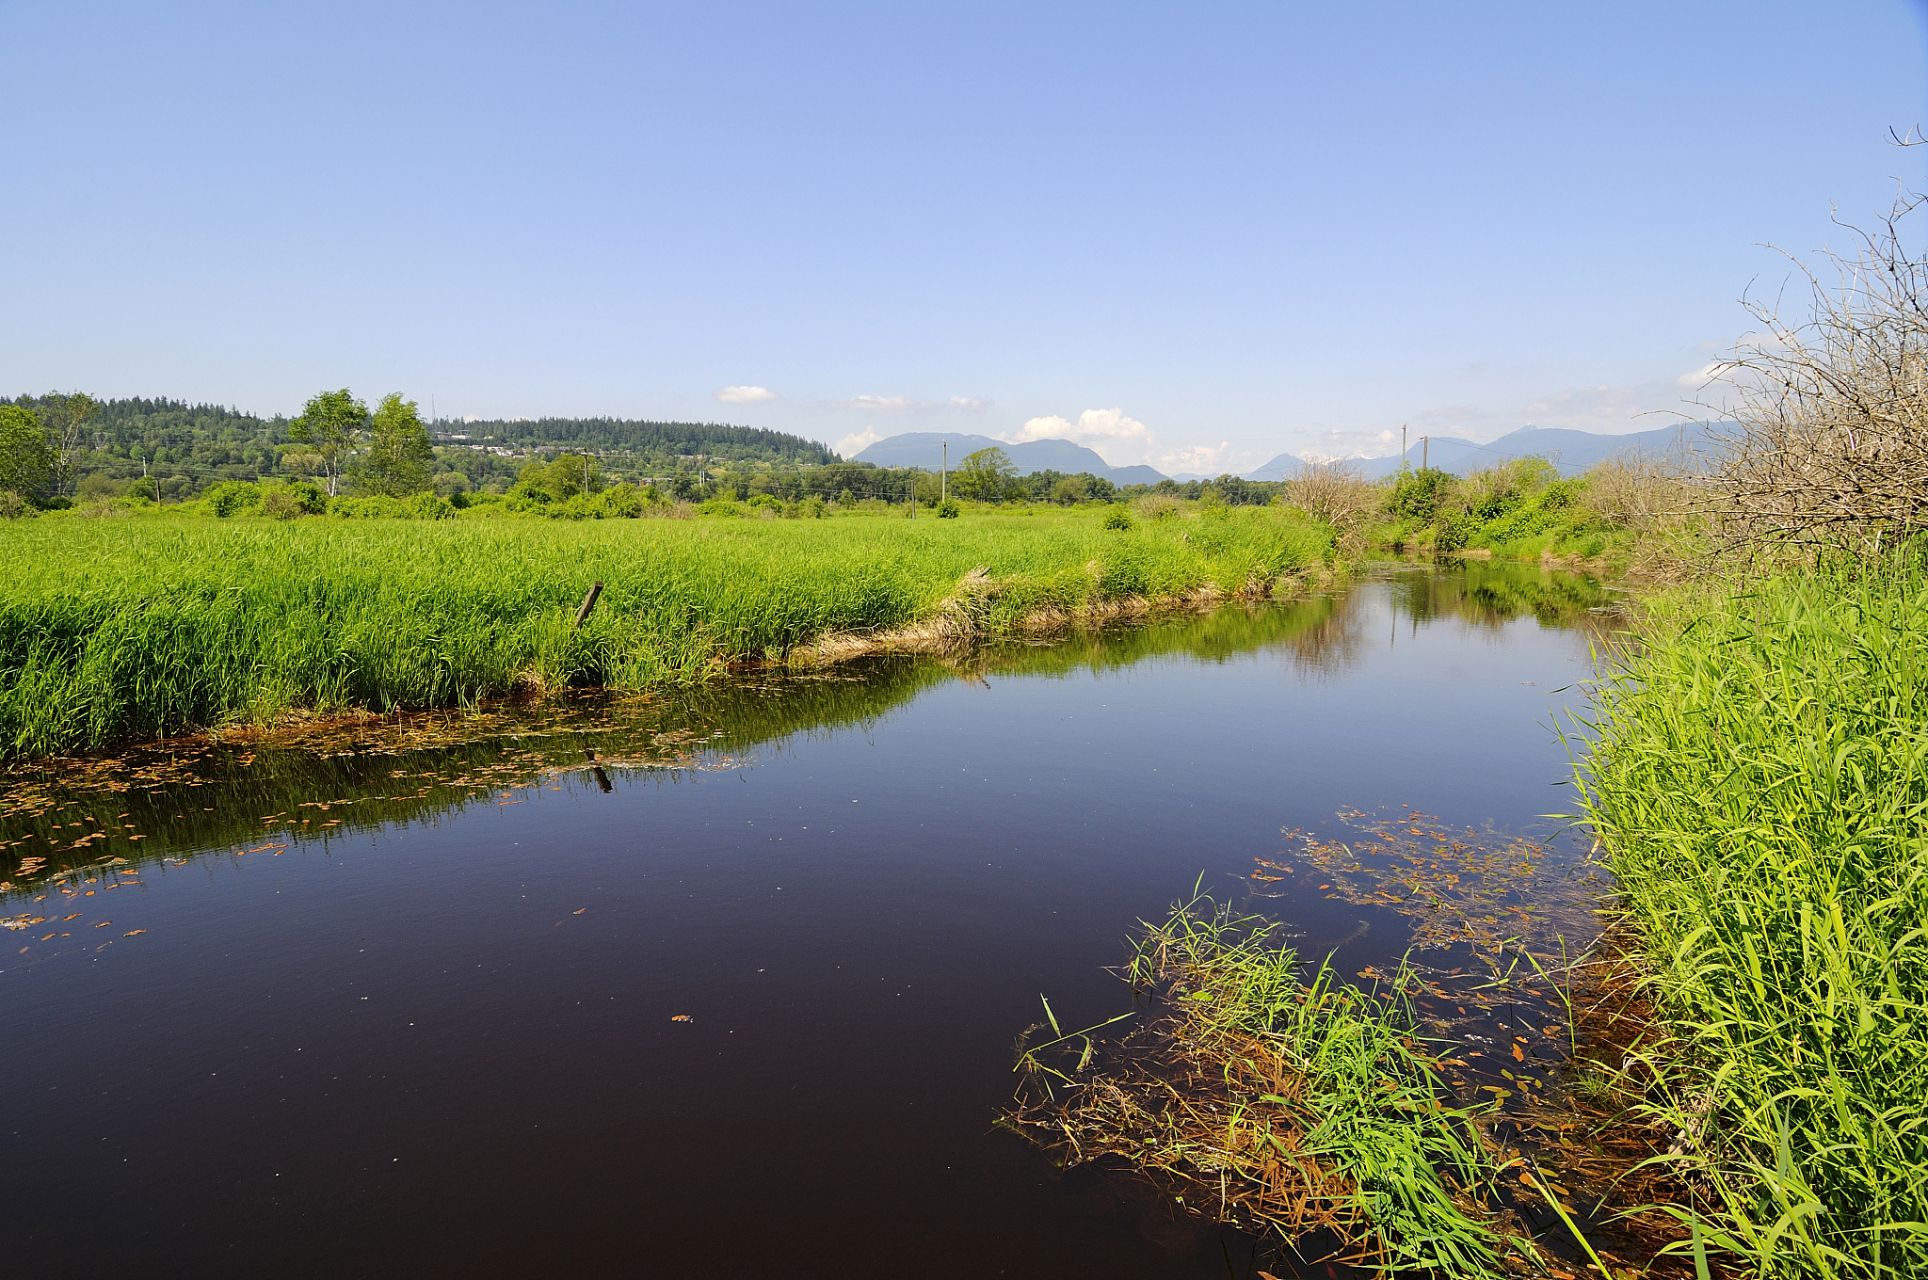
(1051, 428)
(1118, 439)
(1200, 459)
(857, 441)
(970, 404)
(1699, 378)
(745, 395)
(875, 404)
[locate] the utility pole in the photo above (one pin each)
(944, 474)
(1425, 446)
(1402, 448)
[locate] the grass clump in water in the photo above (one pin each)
(1760, 787)
(1264, 1092)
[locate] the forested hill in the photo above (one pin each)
(646, 441)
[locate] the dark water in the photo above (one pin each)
(437, 1038)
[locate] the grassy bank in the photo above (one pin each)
(119, 629)
(1760, 787)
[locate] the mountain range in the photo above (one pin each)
(1571, 451)
(925, 449)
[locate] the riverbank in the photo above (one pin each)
(1759, 787)
(120, 630)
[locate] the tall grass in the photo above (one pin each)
(112, 630)
(1760, 784)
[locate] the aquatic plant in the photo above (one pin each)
(1265, 1092)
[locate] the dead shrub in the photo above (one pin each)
(1828, 450)
(1337, 493)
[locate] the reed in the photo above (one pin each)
(1759, 783)
(126, 629)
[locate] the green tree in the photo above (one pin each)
(983, 475)
(400, 459)
(329, 422)
(27, 456)
(68, 415)
(572, 473)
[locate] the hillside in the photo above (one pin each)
(652, 442)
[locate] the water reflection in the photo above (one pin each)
(152, 802)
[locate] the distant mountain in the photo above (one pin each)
(925, 449)
(1571, 451)
(1283, 467)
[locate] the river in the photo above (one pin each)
(735, 996)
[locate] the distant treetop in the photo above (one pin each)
(647, 439)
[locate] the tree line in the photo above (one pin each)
(58, 447)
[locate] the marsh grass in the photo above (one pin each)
(1263, 1091)
(129, 629)
(1760, 787)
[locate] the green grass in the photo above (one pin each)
(114, 629)
(1760, 784)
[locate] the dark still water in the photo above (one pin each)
(430, 1028)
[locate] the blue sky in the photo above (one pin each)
(1194, 236)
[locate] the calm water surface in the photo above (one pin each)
(437, 1038)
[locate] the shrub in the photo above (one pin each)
(231, 497)
(1118, 518)
(13, 506)
(281, 505)
(426, 506)
(622, 501)
(948, 509)
(1416, 495)
(1159, 506)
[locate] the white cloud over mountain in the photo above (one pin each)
(745, 395)
(1119, 439)
(857, 441)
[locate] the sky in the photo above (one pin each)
(1195, 236)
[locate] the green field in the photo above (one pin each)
(117, 629)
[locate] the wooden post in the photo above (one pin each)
(944, 475)
(588, 603)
